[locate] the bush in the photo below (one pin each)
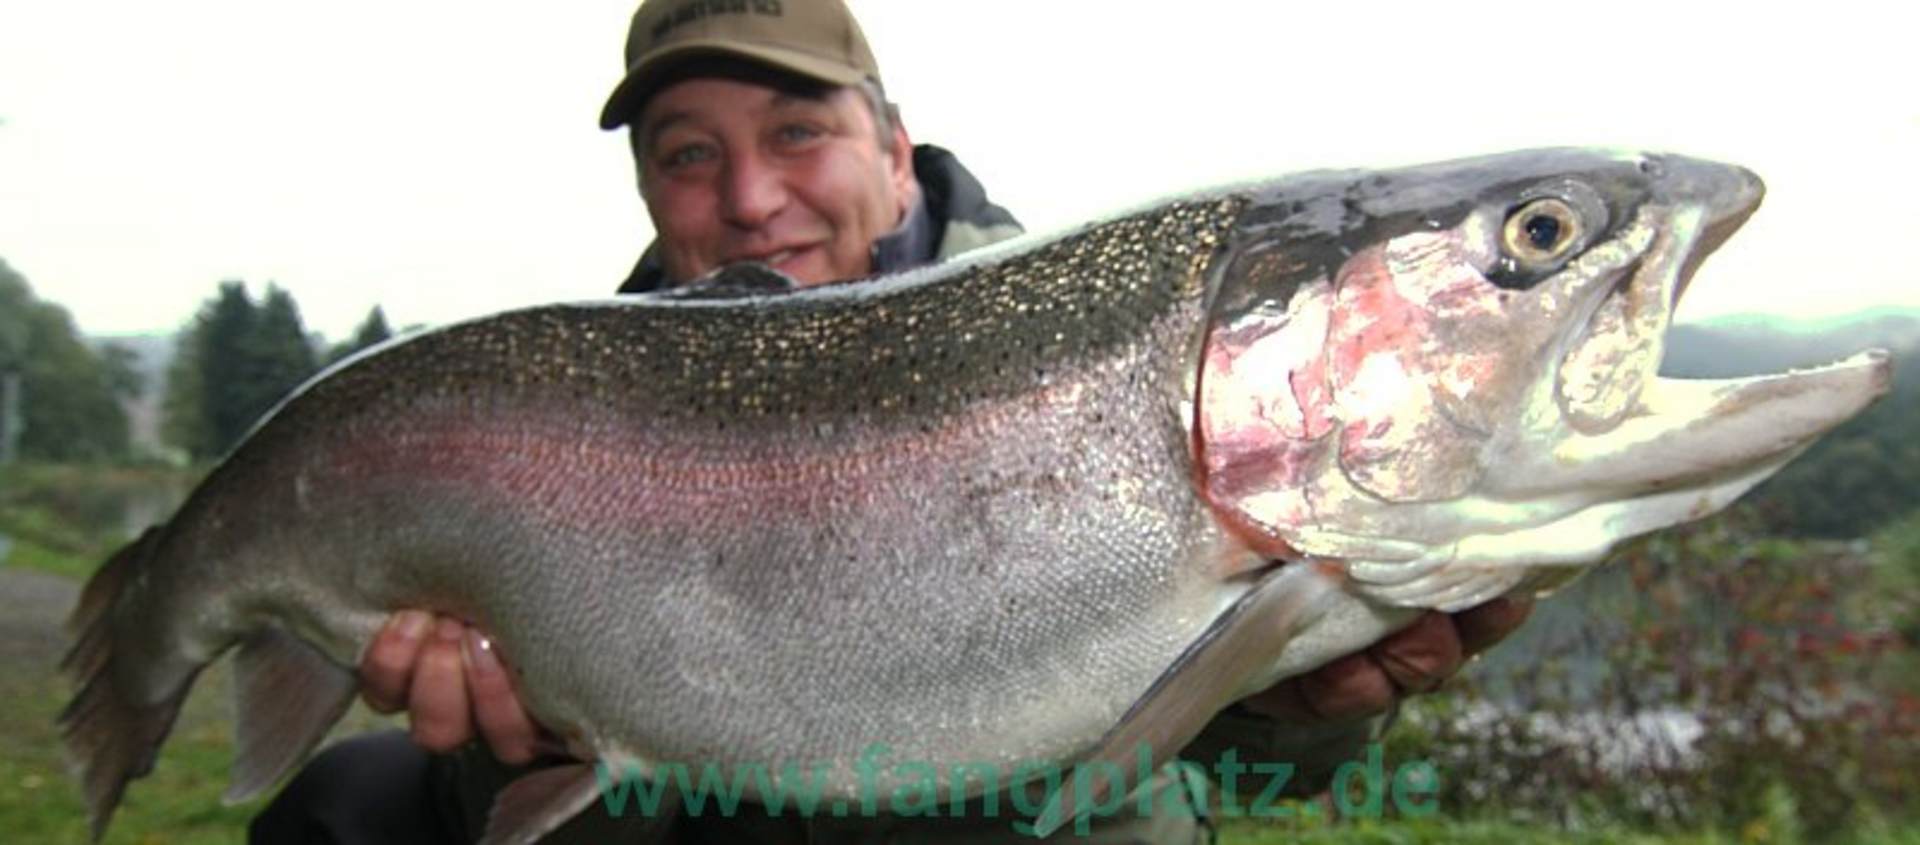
(1713, 678)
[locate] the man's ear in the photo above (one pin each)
(639, 157)
(900, 166)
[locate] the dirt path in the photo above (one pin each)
(33, 610)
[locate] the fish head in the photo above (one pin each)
(1449, 375)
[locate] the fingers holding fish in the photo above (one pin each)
(1419, 657)
(1482, 626)
(438, 706)
(1351, 687)
(1415, 659)
(502, 722)
(386, 670)
(1422, 656)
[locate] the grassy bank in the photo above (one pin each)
(67, 519)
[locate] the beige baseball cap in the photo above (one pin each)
(817, 39)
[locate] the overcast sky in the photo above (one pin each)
(442, 158)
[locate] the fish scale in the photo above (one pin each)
(1036, 506)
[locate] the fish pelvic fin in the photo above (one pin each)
(1240, 645)
(286, 695)
(123, 707)
(537, 803)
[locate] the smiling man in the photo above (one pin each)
(761, 132)
(736, 171)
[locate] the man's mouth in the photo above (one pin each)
(772, 258)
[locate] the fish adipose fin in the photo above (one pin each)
(125, 706)
(286, 695)
(537, 803)
(1211, 674)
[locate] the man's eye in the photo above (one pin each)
(797, 133)
(683, 156)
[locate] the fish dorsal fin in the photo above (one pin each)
(734, 281)
(286, 695)
(1213, 672)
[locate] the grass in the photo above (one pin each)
(178, 803)
(1488, 830)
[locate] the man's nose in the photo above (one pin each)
(753, 191)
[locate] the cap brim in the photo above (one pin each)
(641, 80)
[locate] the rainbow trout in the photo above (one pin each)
(1055, 503)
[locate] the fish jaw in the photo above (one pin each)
(1695, 432)
(1695, 448)
(1444, 417)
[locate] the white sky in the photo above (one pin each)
(442, 159)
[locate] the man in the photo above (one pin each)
(761, 133)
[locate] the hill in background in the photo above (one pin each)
(1747, 345)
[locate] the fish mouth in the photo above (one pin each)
(1635, 431)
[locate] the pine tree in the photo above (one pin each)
(233, 364)
(373, 330)
(281, 356)
(226, 370)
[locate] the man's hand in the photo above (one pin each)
(1413, 660)
(450, 682)
(447, 678)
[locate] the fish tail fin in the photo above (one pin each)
(131, 685)
(124, 708)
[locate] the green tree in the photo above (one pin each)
(373, 330)
(1862, 477)
(67, 405)
(183, 407)
(72, 410)
(225, 372)
(279, 358)
(122, 371)
(15, 301)
(233, 363)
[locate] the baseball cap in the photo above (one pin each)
(816, 39)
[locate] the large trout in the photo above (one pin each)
(1055, 503)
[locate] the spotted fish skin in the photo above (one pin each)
(988, 513)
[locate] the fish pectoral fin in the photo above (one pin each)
(538, 802)
(1225, 664)
(287, 694)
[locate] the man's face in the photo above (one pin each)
(732, 171)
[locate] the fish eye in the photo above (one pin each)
(1540, 232)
